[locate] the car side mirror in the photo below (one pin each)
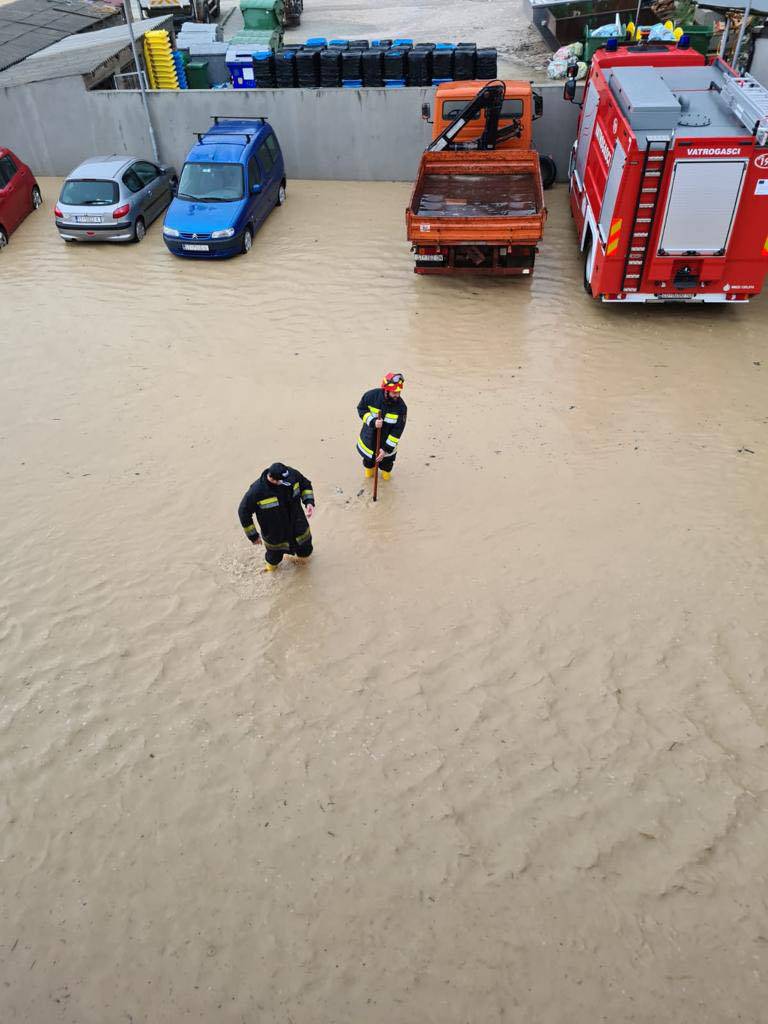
(426, 113)
(256, 188)
(538, 105)
(569, 90)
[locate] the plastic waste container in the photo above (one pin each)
(261, 40)
(262, 15)
(197, 74)
(240, 64)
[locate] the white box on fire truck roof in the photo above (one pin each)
(646, 100)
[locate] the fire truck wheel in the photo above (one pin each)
(588, 263)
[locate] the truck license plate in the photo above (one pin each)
(429, 259)
(195, 248)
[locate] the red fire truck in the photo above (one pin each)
(669, 178)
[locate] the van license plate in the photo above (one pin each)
(195, 248)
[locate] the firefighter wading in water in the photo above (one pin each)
(279, 499)
(382, 407)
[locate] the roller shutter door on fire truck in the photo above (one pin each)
(702, 203)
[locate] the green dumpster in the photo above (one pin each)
(262, 15)
(700, 36)
(197, 74)
(258, 40)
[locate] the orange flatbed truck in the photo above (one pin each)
(478, 203)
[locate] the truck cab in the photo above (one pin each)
(520, 106)
(231, 181)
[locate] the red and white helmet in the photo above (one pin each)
(393, 383)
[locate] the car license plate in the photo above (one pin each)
(191, 247)
(89, 220)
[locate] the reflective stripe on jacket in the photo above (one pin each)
(392, 410)
(279, 511)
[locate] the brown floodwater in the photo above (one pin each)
(497, 753)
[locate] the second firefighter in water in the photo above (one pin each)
(382, 409)
(282, 500)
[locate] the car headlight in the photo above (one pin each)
(171, 232)
(226, 233)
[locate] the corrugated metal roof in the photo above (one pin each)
(27, 26)
(77, 55)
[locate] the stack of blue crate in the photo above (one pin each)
(181, 72)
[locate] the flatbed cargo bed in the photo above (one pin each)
(486, 196)
(478, 195)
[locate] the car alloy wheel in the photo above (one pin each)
(281, 195)
(3, 239)
(37, 199)
(247, 240)
(139, 230)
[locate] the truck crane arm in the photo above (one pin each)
(490, 99)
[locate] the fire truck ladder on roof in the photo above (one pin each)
(654, 162)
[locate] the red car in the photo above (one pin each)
(19, 194)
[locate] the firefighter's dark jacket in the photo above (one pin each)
(279, 510)
(392, 410)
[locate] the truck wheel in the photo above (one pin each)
(548, 171)
(588, 263)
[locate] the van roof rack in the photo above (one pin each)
(234, 117)
(203, 140)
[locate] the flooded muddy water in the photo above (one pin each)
(497, 753)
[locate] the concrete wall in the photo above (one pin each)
(345, 134)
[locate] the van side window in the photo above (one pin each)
(272, 146)
(265, 158)
(254, 173)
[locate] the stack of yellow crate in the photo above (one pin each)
(158, 59)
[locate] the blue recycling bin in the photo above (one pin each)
(240, 65)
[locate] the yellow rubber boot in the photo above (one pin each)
(269, 568)
(368, 472)
(385, 475)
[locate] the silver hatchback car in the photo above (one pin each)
(113, 199)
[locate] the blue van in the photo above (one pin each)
(230, 182)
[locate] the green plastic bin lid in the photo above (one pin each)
(250, 37)
(260, 5)
(197, 65)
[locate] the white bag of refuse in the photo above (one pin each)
(606, 31)
(571, 50)
(661, 34)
